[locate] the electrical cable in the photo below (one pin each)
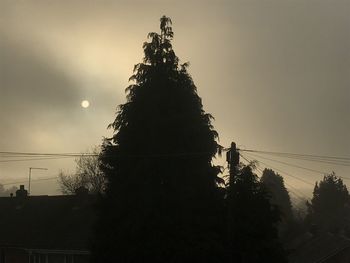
(288, 174)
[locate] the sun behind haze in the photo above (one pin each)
(274, 74)
(85, 103)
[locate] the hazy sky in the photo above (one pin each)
(274, 74)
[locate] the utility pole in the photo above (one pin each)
(30, 175)
(232, 158)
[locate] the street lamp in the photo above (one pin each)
(30, 175)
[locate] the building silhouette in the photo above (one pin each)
(46, 229)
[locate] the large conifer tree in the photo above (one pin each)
(161, 199)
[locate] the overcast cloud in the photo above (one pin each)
(275, 74)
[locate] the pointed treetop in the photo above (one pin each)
(159, 50)
(165, 26)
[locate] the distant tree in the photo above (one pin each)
(87, 175)
(292, 224)
(162, 201)
(300, 208)
(255, 232)
(328, 208)
(6, 192)
(279, 195)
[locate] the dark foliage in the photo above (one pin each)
(279, 195)
(254, 234)
(289, 226)
(162, 201)
(87, 175)
(328, 208)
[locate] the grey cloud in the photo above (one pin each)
(36, 95)
(275, 74)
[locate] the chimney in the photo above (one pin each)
(21, 192)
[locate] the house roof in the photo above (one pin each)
(319, 248)
(47, 222)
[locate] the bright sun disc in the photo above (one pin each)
(85, 103)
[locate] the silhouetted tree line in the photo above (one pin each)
(328, 211)
(329, 208)
(164, 200)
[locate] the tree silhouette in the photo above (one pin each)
(87, 175)
(329, 205)
(279, 196)
(162, 202)
(255, 234)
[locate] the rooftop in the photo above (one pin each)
(47, 222)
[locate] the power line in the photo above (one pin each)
(342, 163)
(297, 166)
(297, 195)
(310, 158)
(288, 174)
(296, 154)
(31, 154)
(326, 159)
(301, 195)
(34, 159)
(251, 161)
(35, 180)
(296, 191)
(292, 165)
